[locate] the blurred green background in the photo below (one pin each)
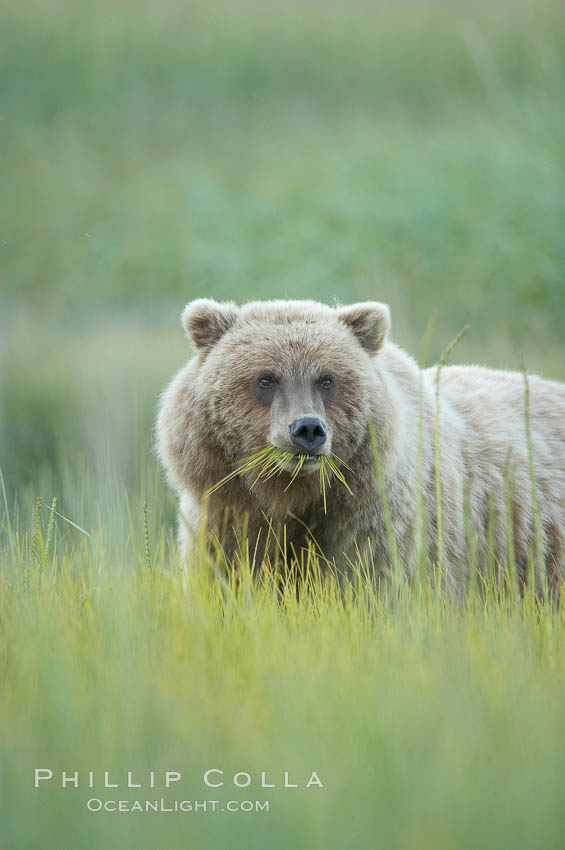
(151, 153)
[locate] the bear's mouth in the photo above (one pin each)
(305, 461)
(272, 462)
(309, 458)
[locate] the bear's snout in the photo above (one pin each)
(308, 432)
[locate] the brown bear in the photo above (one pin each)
(315, 380)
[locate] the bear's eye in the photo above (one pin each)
(266, 381)
(326, 382)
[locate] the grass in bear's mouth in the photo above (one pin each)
(271, 461)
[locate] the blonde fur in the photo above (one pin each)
(209, 419)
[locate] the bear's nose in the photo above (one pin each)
(308, 432)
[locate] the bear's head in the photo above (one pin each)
(297, 375)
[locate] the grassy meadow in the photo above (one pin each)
(152, 153)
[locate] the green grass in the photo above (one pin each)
(412, 153)
(270, 462)
(430, 725)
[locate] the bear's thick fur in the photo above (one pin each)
(260, 367)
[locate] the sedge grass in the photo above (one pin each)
(111, 664)
(271, 461)
(439, 513)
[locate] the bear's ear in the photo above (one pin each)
(205, 320)
(369, 321)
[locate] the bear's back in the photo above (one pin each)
(495, 399)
